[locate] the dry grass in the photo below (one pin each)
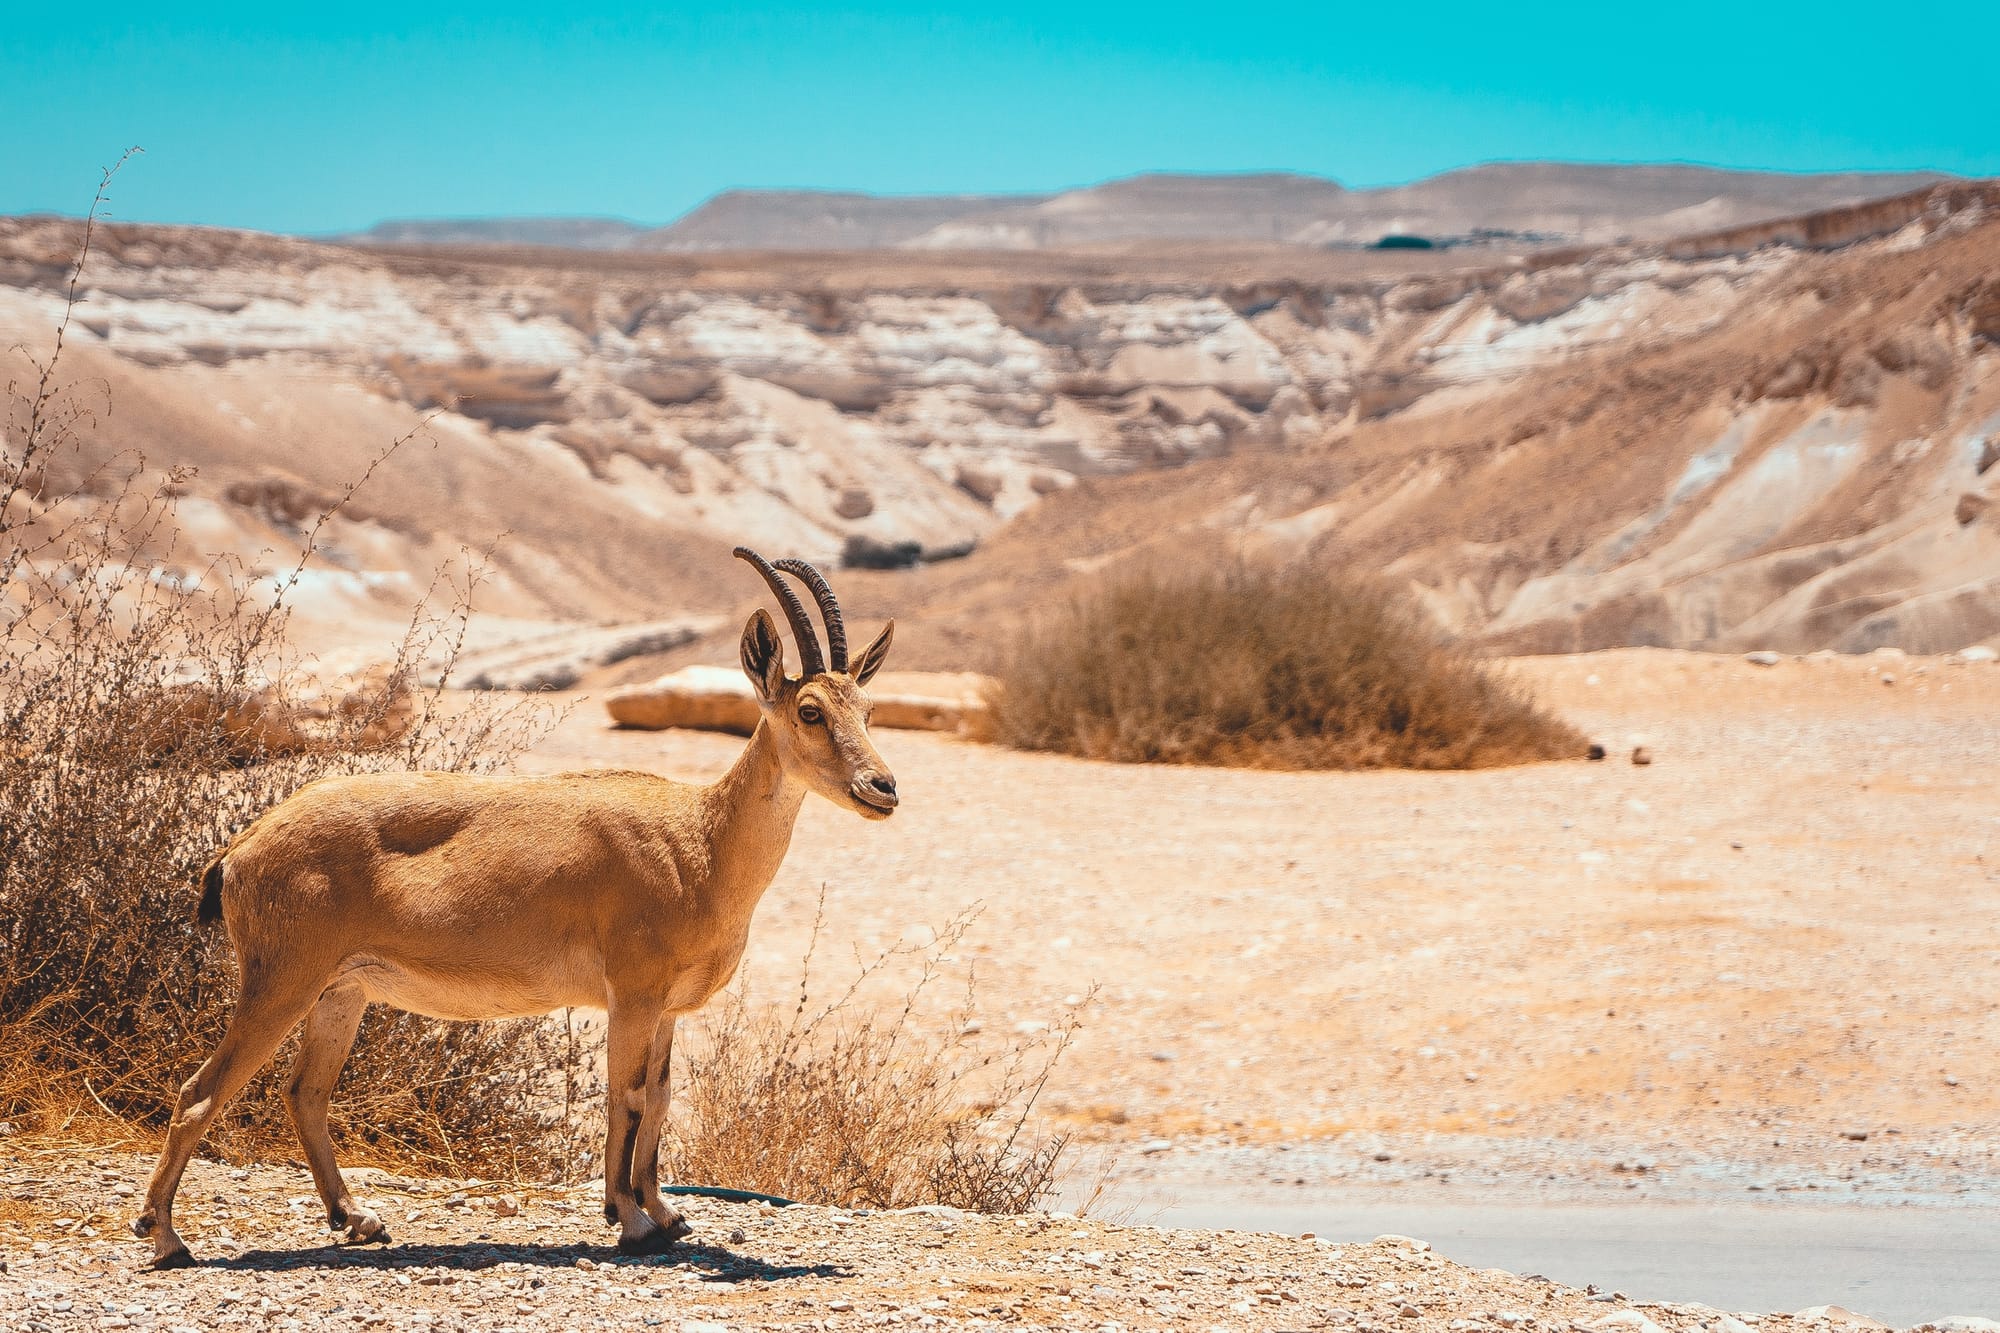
(843, 1105)
(126, 667)
(1272, 669)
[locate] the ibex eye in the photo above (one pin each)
(809, 715)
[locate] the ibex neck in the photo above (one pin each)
(751, 810)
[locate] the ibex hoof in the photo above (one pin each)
(364, 1228)
(656, 1242)
(144, 1225)
(173, 1259)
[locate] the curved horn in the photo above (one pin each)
(829, 609)
(810, 662)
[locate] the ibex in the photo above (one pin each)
(466, 897)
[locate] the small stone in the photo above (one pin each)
(1978, 652)
(507, 1206)
(1888, 678)
(1156, 1146)
(587, 1265)
(1642, 755)
(1406, 1242)
(1951, 1080)
(736, 1236)
(1839, 1315)
(840, 1305)
(1858, 1135)
(1385, 1157)
(1763, 657)
(457, 1200)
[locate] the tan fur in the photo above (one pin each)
(487, 897)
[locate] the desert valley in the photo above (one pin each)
(1706, 460)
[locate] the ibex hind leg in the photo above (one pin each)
(323, 1048)
(266, 1011)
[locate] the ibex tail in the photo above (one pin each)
(209, 910)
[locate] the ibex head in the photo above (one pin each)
(819, 718)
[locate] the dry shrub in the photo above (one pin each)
(863, 1108)
(121, 775)
(1260, 668)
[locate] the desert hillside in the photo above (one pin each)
(1771, 435)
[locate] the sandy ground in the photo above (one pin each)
(1755, 973)
(1764, 963)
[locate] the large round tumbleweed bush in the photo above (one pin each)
(1288, 668)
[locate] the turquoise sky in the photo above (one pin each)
(321, 118)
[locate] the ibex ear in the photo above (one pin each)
(764, 656)
(873, 655)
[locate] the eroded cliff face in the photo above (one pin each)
(622, 420)
(1794, 450)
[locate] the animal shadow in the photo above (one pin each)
(716, 1263)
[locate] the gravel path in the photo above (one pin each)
(460, 1263)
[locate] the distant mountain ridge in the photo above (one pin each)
(578, 233)
(1545, 201)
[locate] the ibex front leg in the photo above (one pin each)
(628, 1059)
(646, 1154)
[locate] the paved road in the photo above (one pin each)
(1900, 1265)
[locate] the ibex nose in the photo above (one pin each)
(878, 790)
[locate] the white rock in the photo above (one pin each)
(1406, 1242)
(1763, 657)
(1839, 1315)
(1978, 652)
(1625, 1321)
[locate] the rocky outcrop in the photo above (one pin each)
(558, 660)
(343, 701)
(711, 698)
